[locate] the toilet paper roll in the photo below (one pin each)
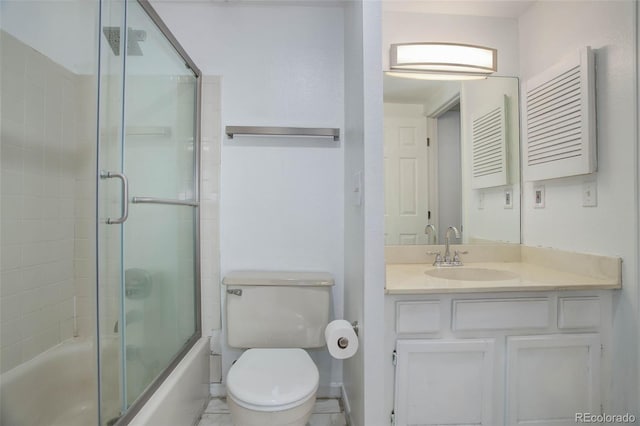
(342, 340)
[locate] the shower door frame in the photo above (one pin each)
(157, 382)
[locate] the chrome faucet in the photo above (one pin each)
(431, 229)
(447, 252)
(447, 260)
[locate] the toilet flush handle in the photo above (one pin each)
(235, 292)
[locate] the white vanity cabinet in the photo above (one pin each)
(551, 378)
(497, 358)
(444, 382)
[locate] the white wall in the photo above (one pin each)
(499, 33)
(364, 226)
(353, 376)
(65, 31)
(548, 32)
(637, 72)
(281, 198)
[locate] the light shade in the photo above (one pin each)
(444, 58)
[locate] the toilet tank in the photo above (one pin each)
(277, 309)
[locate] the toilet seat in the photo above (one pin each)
(272, 379)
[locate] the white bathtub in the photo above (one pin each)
(56, 388)
(183, 396)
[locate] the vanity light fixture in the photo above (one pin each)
(442, 61)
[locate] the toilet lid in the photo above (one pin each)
(272, 379)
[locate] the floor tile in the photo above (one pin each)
(335, 419)
(217, 405)
(326, 406)
(215, 420)
(326, 413)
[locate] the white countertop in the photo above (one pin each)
(411, 278)
(532, 273)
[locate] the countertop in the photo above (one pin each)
(536, 269)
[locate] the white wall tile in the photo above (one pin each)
(11, 181)
(11, 282)
(10, 356)
(11, 206)
(10, 332)
(41, 183)
(10, 256)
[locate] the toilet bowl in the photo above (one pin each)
(272, 387)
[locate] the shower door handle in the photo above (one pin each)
(125, 196)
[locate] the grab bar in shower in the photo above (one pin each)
(282, 131)
(165, 201)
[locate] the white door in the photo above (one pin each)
(406, 174)
(551, 379)
(442, 382)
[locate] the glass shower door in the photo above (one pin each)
(159, 241)
(148, 228)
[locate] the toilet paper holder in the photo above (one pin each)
(343, 342)
(354, 324)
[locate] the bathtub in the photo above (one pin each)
(184, 394)
(57, 388)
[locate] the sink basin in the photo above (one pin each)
(471, 274)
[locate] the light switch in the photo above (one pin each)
(357, 189)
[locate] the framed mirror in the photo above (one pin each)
(451, 158)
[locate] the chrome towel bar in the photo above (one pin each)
(166, 201)
(283, 131)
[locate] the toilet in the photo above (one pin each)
(275, 316)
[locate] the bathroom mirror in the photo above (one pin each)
(436, 144)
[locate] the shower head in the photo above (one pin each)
(133, 38)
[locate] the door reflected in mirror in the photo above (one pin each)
(451, 158)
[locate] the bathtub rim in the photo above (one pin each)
(155, 399)
(150, 390)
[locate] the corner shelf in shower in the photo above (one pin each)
(334, 133)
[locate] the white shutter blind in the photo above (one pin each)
(489, 147)
(560, 120)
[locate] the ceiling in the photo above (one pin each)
(495, 8)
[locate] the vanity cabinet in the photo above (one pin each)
(497, 358)
(551, 378)
(444, 382)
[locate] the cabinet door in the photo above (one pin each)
(444, 382)
(551, 378)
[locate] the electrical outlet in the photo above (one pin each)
(589, 194)
(508, 198)
(538, 196)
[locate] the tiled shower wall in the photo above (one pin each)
(209, 217)
(48, 166)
